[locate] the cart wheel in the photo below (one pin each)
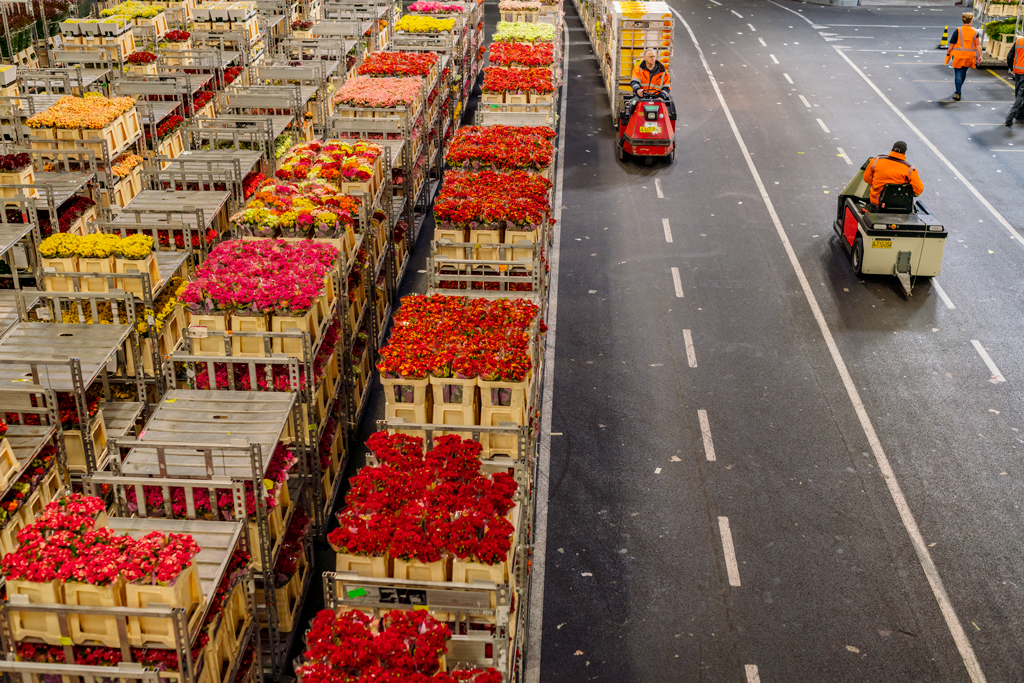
(648, 161)
(857, 256)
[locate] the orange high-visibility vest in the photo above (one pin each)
(1018, 56)
(964, 51)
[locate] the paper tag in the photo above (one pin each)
(43, 313)
(171, 400)
(112, 364)
(64, 640)
(415, 607)
(198, 332)
(268, 484)
(357, 593)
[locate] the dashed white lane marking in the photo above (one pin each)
(540, 526)
(763, 44)
(657, 187)
(942, 157)
(716, 2)
(823, 126)
(942, 294)
(804, 100)
(668, 230)
(789, 79)
(752, 675)
(691, 352)
(731, 568)
(752, 27)
(813, 25)
(843, 155)
(773, 59)
(677, 282)
(736, 13)
(997, 376)
(705, 435)
(924, 556)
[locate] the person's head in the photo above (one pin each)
(900, 147)
(967, 17)
(649, 57)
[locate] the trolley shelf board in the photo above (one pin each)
(11, 234)
(26, 442)
(64, 185)
(245, 122)
(168, 263)
(159, 202)
(248, 160)
(93, 345)
(154, 112)
(9, 307)
(120, 416)
(231, 418)
(87, 76)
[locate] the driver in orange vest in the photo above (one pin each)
(1015, 63)
(891, 170)
(965, 52)
(650, 77)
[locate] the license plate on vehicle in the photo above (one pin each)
(881, 244)
(650, 129)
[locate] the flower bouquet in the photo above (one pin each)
(400, 646)
(524, 32)
(519, 6)
(491, 200)
(380, 93)
(427, 7)
(524, 55)
(134, 254)
(178, 40)
(417, 509)
(503, 148)
(505, 80)
(92, 112)
(303, 209)
(413, 23)
(399, 64)
(123, 165)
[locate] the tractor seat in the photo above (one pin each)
(896, 199)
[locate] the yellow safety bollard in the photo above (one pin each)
(944, 42)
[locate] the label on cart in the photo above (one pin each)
(64, 640)
(654, 128)
(198, 332)
(43, 313)
(881, 244)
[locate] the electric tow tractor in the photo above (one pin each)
(899, 238)
(649, 132)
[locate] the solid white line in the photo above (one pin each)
(691, 352)
(657, 187)
(668, 230)
(804, 100)
(823, 126)
(789, 79)
(752, 675)
(843, 155)
(942, 294)
(942, 157)
(731, 568)
(716, 2)
(752, 27)
(997, 376)
(736, 13)
(705, 434)
(796, 13)
(763, 44)
(540, 524)
(774, 59)
(677, 282)
(884, 467)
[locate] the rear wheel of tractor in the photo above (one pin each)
(672, 157)
(648, 161)
(857, 256)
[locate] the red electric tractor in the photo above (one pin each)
(649, 132)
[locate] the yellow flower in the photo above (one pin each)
(97, 245)
(134, 247)
(60, 245)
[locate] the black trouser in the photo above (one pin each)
(1017, 108)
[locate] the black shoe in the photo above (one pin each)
(956, 97)
(1008, 124)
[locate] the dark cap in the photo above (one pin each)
(900, 147)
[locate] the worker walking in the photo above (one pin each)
(891, 170)
(964, 51)
(1015, 63)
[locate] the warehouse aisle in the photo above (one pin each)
(715, 504)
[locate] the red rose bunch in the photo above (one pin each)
(231, 73)
(177, 36)
(141, 57)
(424, 506)
(513, 199)
(15, 162)
(299, 25)
(522, 54)
(157, 558)
(498, 79)
(449, 336)
(401, 64)
(504, 148)
(201, 99)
